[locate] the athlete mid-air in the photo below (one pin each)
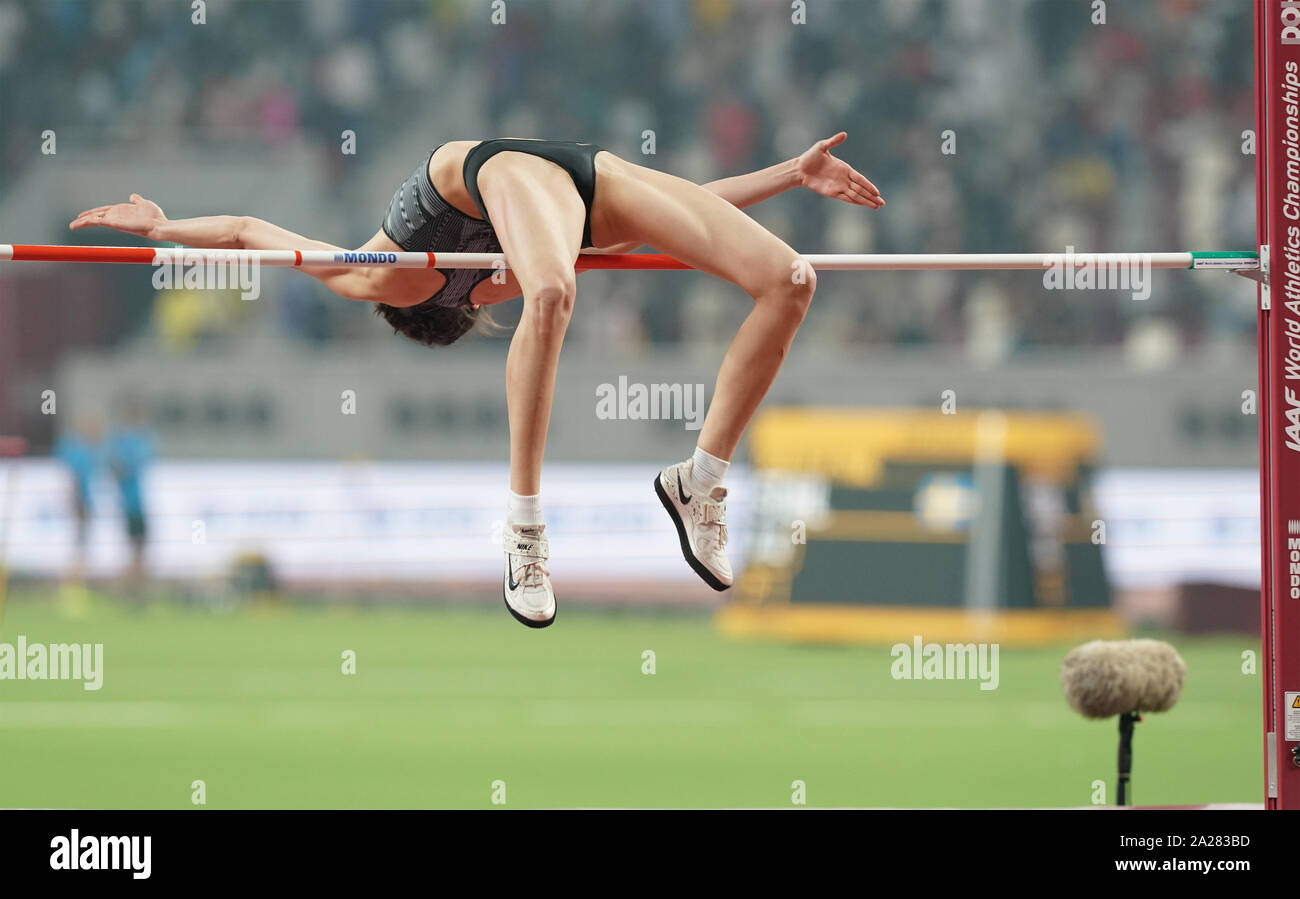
(541, 202)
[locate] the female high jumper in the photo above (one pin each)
(541, 202)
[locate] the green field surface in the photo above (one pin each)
(446, 701)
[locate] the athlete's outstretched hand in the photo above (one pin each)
(140, 216)
(835, 178)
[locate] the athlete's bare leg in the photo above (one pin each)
(538, 217)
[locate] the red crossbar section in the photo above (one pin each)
(592, 261)
(657, 261)
(35, 253)
(1279, 143)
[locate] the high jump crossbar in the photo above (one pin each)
(1213, 260)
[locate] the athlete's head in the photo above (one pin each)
(428, 323)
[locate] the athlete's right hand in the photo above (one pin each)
(140, 216)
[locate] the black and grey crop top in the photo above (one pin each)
(420, 220)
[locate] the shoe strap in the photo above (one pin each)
(536, 547)
(714, 514)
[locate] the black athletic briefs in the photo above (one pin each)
(579, 160)
(420, 220)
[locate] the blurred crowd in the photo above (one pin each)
(123, 452)
(989, 125)
(255, 72)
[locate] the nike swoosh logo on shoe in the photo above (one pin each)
(680, 492)
(510, 574)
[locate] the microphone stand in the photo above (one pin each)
(1126, 722)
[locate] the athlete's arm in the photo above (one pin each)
(755, 187)
(816, 169)
(226, 232)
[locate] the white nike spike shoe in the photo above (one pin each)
(526, 586)
(701, 521)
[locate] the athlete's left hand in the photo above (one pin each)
(821, 172)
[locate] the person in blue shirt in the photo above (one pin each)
(129, 451)
(81, 453)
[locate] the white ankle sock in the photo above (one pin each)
(524, 511)
(707, 471)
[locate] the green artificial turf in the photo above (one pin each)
(448, 701)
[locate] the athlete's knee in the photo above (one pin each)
(551, 299)
(791, 291)
(804, 277)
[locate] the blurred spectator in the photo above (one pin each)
(129, 453)
(81, 451)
